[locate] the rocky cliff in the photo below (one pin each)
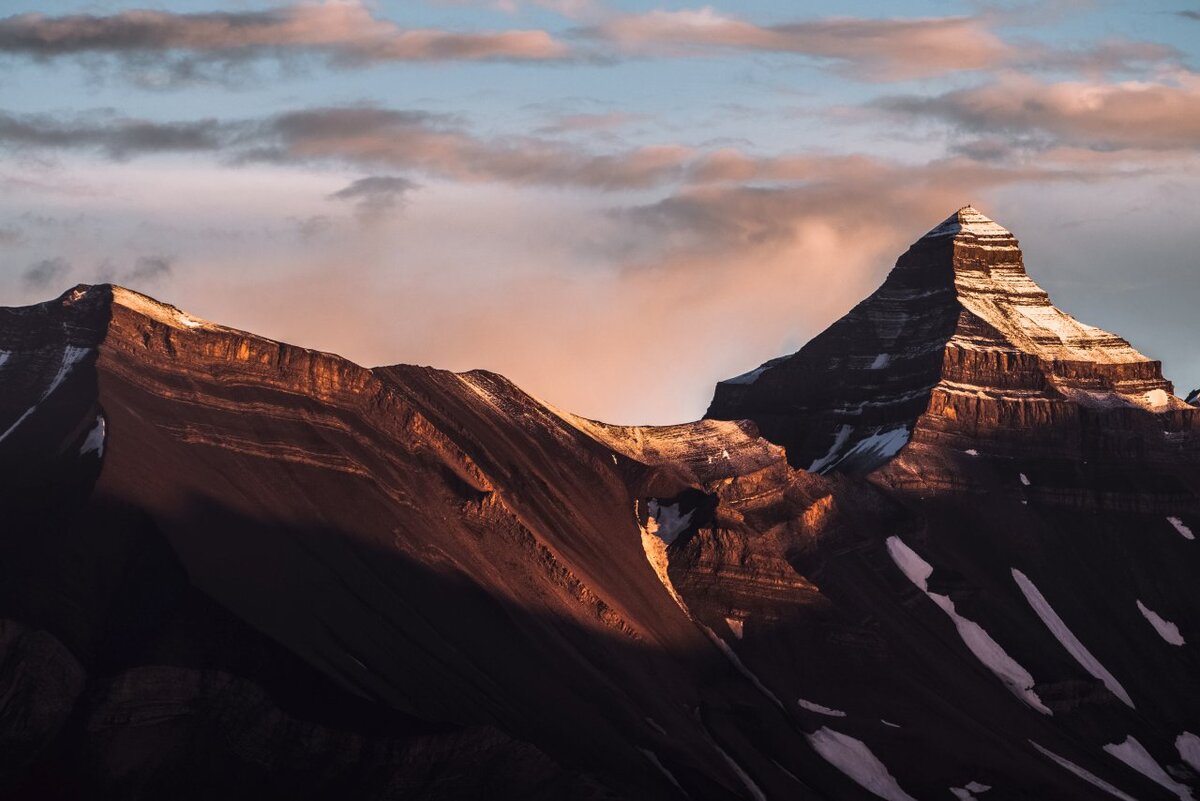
(235, 568)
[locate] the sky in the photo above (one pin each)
(615, 203)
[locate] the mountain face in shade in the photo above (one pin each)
(960, 349)
(950, 552)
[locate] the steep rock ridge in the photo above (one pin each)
(960, 349)
(442, 545)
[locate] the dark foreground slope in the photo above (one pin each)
(233, 568)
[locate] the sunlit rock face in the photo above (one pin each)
(234, 568)
(960, 349)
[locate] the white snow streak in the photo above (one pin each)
(970, 792)
(889, 723)
(1067, 638)
(1133, 754)
(881, 361)
(757, 793)
(1025, 479)
(1188, 746)
(94, 442)
(820, 709)
(739, 664)
(1018, 680)
(1181, 528)
(1165, 628)
(653, 759)
(852, 757)
(1087, 776)
(4, 354)
(71, 356)
(839, 439)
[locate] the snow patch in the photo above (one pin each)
(94, 442)
(738, 627)
(1133, 754)
(71, 356)
(753, 788)
(971, 452)
(666, 521)
(889, 723)
(989, 652)
(4, 354)
(1024, 479)
(820, 709)
(1165, 628)
(839, 439)
(1174, 521)
(1188, 746)
(1067, 638)
(852, 757)
(1086, 775)
(881, 361)
(867, 453)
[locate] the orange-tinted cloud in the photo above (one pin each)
(346, 31)
(879, 48)
(1095, 115)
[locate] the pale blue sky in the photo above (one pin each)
(630, 202)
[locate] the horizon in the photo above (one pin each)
(614, 205)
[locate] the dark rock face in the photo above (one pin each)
(232, 568)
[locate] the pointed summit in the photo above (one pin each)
(969, 221)
(959, 348)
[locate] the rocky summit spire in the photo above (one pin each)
(959, 349)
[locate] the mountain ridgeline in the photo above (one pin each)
(946, 550)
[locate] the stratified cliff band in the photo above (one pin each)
(945, 550)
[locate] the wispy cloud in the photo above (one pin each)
(347, 33)
(46, 273)
(878, 48)
(1095, 115)
(375, 197)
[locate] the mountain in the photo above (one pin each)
(946, 550)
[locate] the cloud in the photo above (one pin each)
(361, 136)
(117, 137)
(45, 273)
(891, 49)
(376, 197)
(346, 33)
(1189, 14)
(147, 270)
(1092, 115)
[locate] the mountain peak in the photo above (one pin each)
(959, 349)
(969, 221)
